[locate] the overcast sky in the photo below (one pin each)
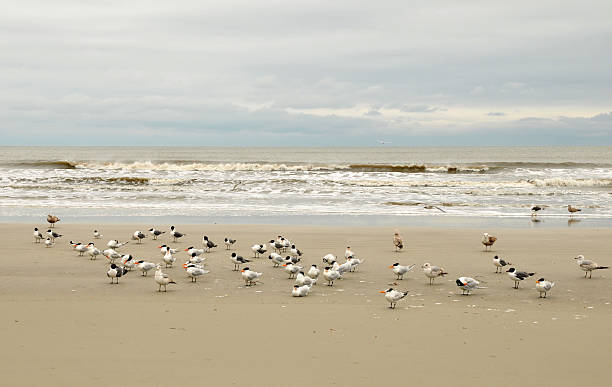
(305, 73)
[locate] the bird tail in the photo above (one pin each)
(531, 274)
(172, 282)
(601, 267)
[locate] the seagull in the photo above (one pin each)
(292, 269)
(488, 240)
(228, 243)
(116, 272)
(393, 296)
(52, 219)
(544, 286)
(467, 284)
(208, 243)
(348, 253)
(115, 244)
(572, 210)
(291, 259)
(535, 210)
(93, 251)
(145, 266)
(238, 260)
(329, 258)
(432, 272)
(53, 235)
(330, 275)
(295, 252)
(277, 259)
(169, 259)
(155, 232)
(250, 277)
(518, 276)
(138, 236)
(302, 279)
(194, 271)
(175, 234)
(397, 241)
(97, 235)
(277, 245)
(259, 249)
(588, 266)
(49, 242)
(499, 263)
(355, 262)
(300, 291)
(37, 235)
(400, 270)
(313, 272)
(162, 279)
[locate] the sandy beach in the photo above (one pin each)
(63, 323)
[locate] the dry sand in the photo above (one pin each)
(64, 324)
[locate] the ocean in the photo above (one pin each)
(334, 185)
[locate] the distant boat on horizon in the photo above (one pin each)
(383, 142)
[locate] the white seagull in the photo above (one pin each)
(162, 279)
(138, 236)
(313, 272)
(238, 260)
(259, 250)
(115, 272)
(155, 232)
(175, 234)
(228, 243)
(432, 272)
(330, 275)
(292, 269)
(588, 266)
(518, 276)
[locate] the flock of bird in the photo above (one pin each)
(282, 253)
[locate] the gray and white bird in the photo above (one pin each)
(52, 235)
(330, 275)
(499, 263)
(300, 291)
(400, 270)
(145, 266)
(348, 253)
(162, 279)
(175, 234)
(329, 258)
(355, 262)
(398, 242)
(432, 272)
(155, 233)
(276, 259)
(208, 244)
(49, 242)
(111, 255)
(138, 236)
(93, 251)
(302, 279)
(192, 250)
(115, 244)
(543, 286)
(467, 285)
(588, 266)
(518, 276)
(238, 261)
(196, 259)
(229, 243)
(259, 250)
(572, 210)
(169, 259)
(115, 272)
(488, 240)
(193, 271)
(250, 277)
(38, 236)
(97, 235)
(292, 269)
(313, 272)
(393, 296)
(128, 261)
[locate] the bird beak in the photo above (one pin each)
(185, 249)
(391, 267)
(382, 291)
(159, 247)
(284, 265)
(242, 271)
(537, 282)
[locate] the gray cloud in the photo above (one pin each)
(314, 70)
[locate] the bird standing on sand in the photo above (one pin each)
(302, 279)
(145, 266)
(169, 259)
(572, 210)
(276, 259)
(588, 266)
(155, 233)
(52, 235)
(393, 296)
(400, 270)
(116, 272)
(467, 284)
(329, 258)
(237, 260)
(300, 291)
(37, 235)
(330, 275)
(208, 244)
(49, 242)
(292, 269)
(313, 272)
(543, 286)
(259, 249)
(194, 271)
(488, 240)
(97, 235)
(499, 263)
(354, 262)
(228, 243)
(250, 277)
(52, 219)
(348, 253)
(295, 252)
(535, 210)
(162, 279)
(115, 244)
(518, 276)
(175, 234)
(398, 242)
(432, 272)
(93, 251)
(138, 236)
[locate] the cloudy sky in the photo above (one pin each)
(308, 73)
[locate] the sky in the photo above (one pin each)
(308, 73)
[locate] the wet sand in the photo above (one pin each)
(63, 323)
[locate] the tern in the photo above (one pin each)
(393, 296)
(467, 284)
(543, 286)
(400, 270)
(250, 277)
(300, 291)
